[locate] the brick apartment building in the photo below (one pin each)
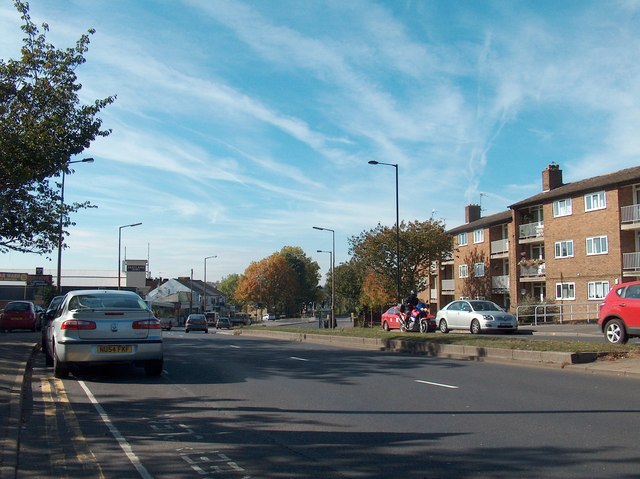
(568, 244)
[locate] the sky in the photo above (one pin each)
(240, 125)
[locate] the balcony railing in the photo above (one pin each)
(630, 214)
(448, 286)
(500, 284)
(532, 271)
(532, 230)
(631, 261)
(500, 246)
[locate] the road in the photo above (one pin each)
(236, 407)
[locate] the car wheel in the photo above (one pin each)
(443, 326)
(615, 332)
(153, 367)
(60, 370)
(475, 327)
(385, 326)
(424, 327)
(186, 330)
(206, 331)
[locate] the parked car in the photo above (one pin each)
(240, 320)
(46, 319)
(223, 322)
(196, 322)
(619, 316)
(268, 317)
(391, 320)
(103, 327)
(475, 316)
(19, 315)
(166, 323)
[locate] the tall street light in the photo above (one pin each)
(120, 247)
(204, 307)
(58, 279)
(333, 276)
(395, 165)
(332, 297)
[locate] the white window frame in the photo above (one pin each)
(478, 236)
(462, 239)
(597, 290)
(568, 288)
(562, 207)
(597, 245)
(478, 270)
(463, 271)
(595, 201)
(558, 249)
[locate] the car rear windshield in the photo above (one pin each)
(106, 301)
(21, 307)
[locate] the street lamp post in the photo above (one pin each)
(59, 275)
(120, 247)
(333, 276)
(204, 306)
(395, 165)
(332, 296)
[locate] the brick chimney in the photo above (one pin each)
(551, 177)
(472, 213)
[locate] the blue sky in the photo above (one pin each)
(241, 125)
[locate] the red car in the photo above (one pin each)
(391, 320)
(619, 316)
(19, 315)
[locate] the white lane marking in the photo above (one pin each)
(437, 384)
(297, 358)
(124, 445)
(234, 346)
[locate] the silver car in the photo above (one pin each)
(475, 316)
(98, 326)
(196, 322)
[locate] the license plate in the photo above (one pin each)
(114, 348)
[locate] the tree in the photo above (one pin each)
(42, 125)
(349, 279)
(270, 281)
(307, 275)
(421, 243)
(477, 284)
(228, 286)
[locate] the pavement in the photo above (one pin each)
(18, 349)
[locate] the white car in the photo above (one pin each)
(98, 326)
(475, 316)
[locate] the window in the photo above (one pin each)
(564, 249)
(597, 289)
(597, 245)
(565, 291)
(478, 270)
(463, 271)
(595, 201)
(462, 239)
(478, 236)
(562, 207)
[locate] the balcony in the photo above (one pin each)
(630, 217)
(500, 248)
(531, 232)
(631, 264)
(448, 286)
(500, 284)
(533, 273)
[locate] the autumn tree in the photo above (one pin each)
(349, 279)
(477, 284)
(307, 275)
(228, 286)
(42, 126)
(421, 242)
(270, 281)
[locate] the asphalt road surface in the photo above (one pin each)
(235, 407)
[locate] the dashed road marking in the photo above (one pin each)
(295, 358)
(437, 384)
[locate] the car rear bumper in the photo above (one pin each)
(79, 351)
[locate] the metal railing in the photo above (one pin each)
(531, 230)
(558, 312)
(631, 261)
(500, 246)
(630, 214)
(500, 284)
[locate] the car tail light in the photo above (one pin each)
(147, 324)
(77, 324)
